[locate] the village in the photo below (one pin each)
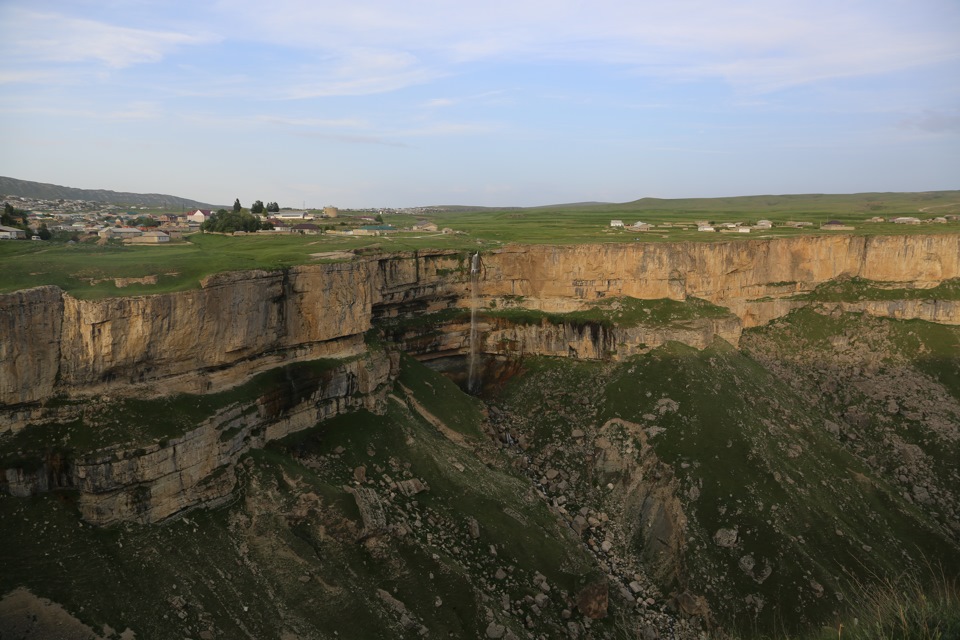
(80, 220)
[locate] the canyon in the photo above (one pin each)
(145, 407)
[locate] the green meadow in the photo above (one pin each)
(87, 270)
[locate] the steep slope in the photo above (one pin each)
(400, 525)
(771, 487)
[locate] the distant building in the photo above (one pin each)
(764, 224)
(616, 224)
(798, 225)
(705, 227)
(120, 232)
(199, 215)
(425, 225)
(306, 228)
(293, 215)
(876, 219)
(905, 220)
(374, 230)
(11, 233)
(330, 212)
(641, 226)
(836, 225)
(149, 237)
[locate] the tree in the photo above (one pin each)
(256, 207)
(236, 205)
(229, 221)
(273, 207)
(43, 232)
(145, 221)
(13, 217)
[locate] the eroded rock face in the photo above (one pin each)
(30, 324)
(150, 483)
(241, 323)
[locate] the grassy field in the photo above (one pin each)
(88, 271)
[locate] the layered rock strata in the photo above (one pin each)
(151, 482)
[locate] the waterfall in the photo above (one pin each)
(472, 381)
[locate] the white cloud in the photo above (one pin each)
(31, 37)
(759, 44)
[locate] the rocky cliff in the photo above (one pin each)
(237, 324)
(151, 482)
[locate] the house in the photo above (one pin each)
(120, 232)
(306, 228)
(149, 237)
(764, 224)
(905, 220)
(747, 229)
(876, 219)
(199, 215)
(374, 230)
(293, 215)
(641, 226)
(11, 233)
(836, 225)
(798, 225)
(616, 224)
(425, 225)
(952, 217)
(705, 227)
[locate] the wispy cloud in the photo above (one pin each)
(357, 72)
(32, 37)
(763, 45)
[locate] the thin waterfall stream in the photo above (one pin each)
(472, 379)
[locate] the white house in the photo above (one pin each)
(199, 215)
(293, 215)
(905, 220)
(705, 227)
(617, 224)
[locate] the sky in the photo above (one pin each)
(379, 103)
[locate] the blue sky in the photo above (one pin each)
(505, 102)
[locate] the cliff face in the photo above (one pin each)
(30, 325)
(235, 325)
(728, 274)
(150, 483)
(240, 323)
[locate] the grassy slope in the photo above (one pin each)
(266, 563)
(762, 461)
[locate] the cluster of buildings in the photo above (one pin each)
(763, 225)
(700, 225)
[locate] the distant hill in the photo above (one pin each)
(44, 191)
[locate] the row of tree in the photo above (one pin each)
(258, 206)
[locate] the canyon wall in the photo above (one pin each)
(729, 274)
(158, 479)
(241, 323)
